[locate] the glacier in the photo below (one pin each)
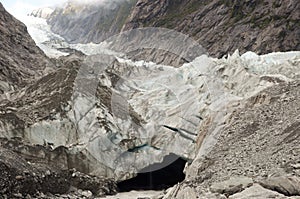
(41, 33)
(148, 97)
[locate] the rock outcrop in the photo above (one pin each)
(21, 60)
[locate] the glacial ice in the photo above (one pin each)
(161, 95)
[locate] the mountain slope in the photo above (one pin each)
(221, 27)
(26, 168)
(261, 26)
(20, 59)
(83, 23)
(257, 154)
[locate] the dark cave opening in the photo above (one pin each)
(157, 176)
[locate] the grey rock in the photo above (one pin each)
(254, 143)
(21, 61)
(287, 185)
(187, 192)
(87, 194)
(224, 26)
(257, 192)
(231, 186)
(28, 177)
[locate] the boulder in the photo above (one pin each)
(231, 186)
(257, 192)
(287, 185)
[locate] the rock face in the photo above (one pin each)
(20, 59)
(221, 27)
(79, 22)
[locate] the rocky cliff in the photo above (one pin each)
(224, 26)
(20, 59)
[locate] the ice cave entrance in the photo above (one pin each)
(158, 176)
